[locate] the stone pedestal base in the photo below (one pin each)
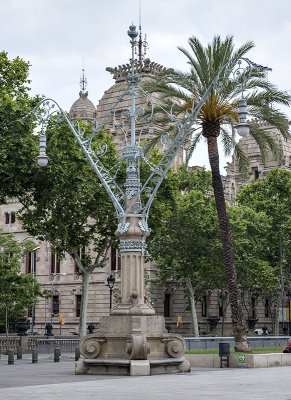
(132, 345)
(121, 367)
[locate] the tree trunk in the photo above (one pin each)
(84, 303)
(281, 301)
(6, 321)
(193, 307)
(211, 132)
(277, 317)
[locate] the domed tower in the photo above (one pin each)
(146, 69)
(118, 122)
(83, 107)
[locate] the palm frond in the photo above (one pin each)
(271, 116)
(195, 140)
(186, 89)
(269, 95)
(228, 140)
(242, 160)
(266, 142)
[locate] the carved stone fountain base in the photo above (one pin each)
(132, 345)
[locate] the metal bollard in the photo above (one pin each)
(34, 356)
(57, 353)
(19, 353)
(10, 357)
(77, 353)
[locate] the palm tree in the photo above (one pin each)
(219, 111)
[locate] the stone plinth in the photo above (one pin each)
(124, 340)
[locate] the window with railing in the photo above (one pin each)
(56, 306)
(266, 308)
(81, 254)
(30, 263)
(9, 218)
(167, 305)
(12, 218)
(253, 311)
(78, 304)
(55, 263)
(204, 306)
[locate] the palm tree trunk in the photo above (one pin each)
(238, 322)
(282, 281)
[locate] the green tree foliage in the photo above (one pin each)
(186, 245)
(16, 139)
(272, 195)
(17, 292)
(256, 275)
(187, 248)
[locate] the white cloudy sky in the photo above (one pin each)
(54, 35)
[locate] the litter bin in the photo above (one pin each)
(224, 353)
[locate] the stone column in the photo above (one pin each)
(132, 299)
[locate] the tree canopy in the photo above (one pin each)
(17, 290)
(16, 139)
(272, 195)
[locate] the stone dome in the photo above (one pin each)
(146, 69)
(83, 108)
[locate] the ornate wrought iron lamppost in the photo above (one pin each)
(132, 331)
(243, 128)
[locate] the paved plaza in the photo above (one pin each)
(47, 380)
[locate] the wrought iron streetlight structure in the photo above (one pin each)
(110, 284)
(132, 202)
(243, 128)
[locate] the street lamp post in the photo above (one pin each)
(33, 255)
(288, 294)
(110, 284)
(132, 319)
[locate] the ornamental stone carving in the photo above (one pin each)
(116, 297)
(141, 67)
(80, 367)
(90, 346)
(147, 297)
(185, 366)
(132, 245)
(137, 347)
(174, 346)
(134, 301)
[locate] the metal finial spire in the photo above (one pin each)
(83, 80)
(142, 43)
